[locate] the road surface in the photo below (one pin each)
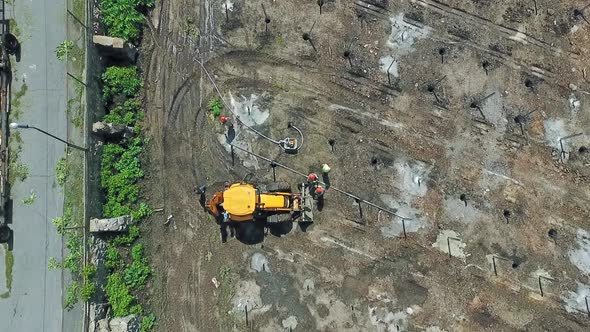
(35, 300)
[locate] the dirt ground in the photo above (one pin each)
(470, 119)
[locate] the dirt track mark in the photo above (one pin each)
(453, 39)
(509, 33)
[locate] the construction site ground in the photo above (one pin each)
(423, 141)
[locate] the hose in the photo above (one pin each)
(230, 109)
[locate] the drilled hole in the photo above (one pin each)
(519, 119)
(430, 88)
(463, 197)
(506, 213)
(515, 265)
(346, 54)
(442, 51)
(583, 149)
(473, 105)
(577, 13)
(331, 141)
(305, 36)
(552, 233)
(267, 20)
(374, 161)
(528, 83)
(485, 65)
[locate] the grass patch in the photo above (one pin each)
(64, 49)
(9, 264)
(13, 27)
(215, 106)
(61, 171)
(17, 172)
(31, 199)
(16, 102)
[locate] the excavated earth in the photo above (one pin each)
(469, 119)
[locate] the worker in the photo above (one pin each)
(326, 176)
(312, 177)
(319, 191)
(223, 119)
(325, 169)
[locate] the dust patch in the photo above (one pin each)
(411, 181)
(581, 257)
(248, 295)
(249, 112)
(576, 301)
(448, 238)
(391, 321)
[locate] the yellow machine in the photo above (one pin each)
(273, 203)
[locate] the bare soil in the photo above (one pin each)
(413, 142)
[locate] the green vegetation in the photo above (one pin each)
(121, 300)
(61, 171)
(31, 199)
(121, 170)
(128, 113)
(89, 288)
(63, 49)
(216, 106)
(148, 322)
(16, 102)
(13, 27)
(8, 263)
(122, 17)
(120, 80)
(136, 274)
(17, 171)
(72, 295)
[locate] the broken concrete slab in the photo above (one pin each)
(107, 130)
(119, 224)
(125, 324)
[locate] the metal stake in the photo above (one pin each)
(358, 201)
(274, 172)
(404, 228)
(233, 159)
(494, 262)
(541, 285)
(246, 309)
(587, 307)
(391, 64)
(449, 243)
(226, 14)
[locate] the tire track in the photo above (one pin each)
(507, 32)
(442, 37)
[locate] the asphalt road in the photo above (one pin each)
(35, 300)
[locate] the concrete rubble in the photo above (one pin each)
(111, 130)
(119, 224)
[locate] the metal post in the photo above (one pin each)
(274, 172)
(494, 262)
(541, 285)
(587, 308)
(233, 159)
(226, 14)
(449, 243)
(449, 246)
(77, 79)
(404, 228)
(77, 19)
(246, 310)
(358, 201)
(391, 64)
